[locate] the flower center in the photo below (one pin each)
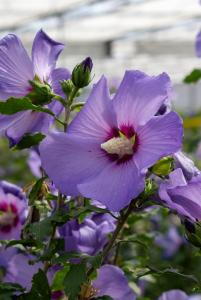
(119, 145)
(8, 217)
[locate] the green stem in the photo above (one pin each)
(120, 224)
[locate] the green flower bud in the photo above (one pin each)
(67, 86)
(193, 232)
(81, 75)
(41, 92)
(163, 166)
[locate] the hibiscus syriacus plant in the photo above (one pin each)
(100, 166)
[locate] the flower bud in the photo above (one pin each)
(67, 86)
(193, 232)
(163, 166)
(81, 75)
(41, 92)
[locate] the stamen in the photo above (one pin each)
(119, 145)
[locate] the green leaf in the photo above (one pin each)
(29, 140)
(163, 166)
(14, 105)
(9, 287)
(74, 279)
(29, 243)
(58, 280)
(40, 288)
(41, 230)
(33, 195)
(193, 77)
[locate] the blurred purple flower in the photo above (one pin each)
(111, 281)
(169, 242)
(178, 295)
(198, 44)
(90, 236)
(34, 163)
(182, 196)
(110, 144)
(13, 209)
(17, 69)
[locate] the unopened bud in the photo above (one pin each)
(81, 75)
(67, 86)
(193, 232)
(41, 92)
(163, 166)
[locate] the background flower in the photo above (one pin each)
(17, 69)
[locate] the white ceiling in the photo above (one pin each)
(153, 35)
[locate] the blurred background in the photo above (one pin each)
(150, 35)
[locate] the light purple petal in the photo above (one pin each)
(15, 68)
(186, 164)
(198, 44)
(69, 160)
(160, 137)
(111, 281)
(97, 117)
(7, 121)
(45, 52)
(173, 295)
(115, 186)
(181, 196)
(139, 97)
(55, 77)
(20, 271)
(29, 122)
(34, 163)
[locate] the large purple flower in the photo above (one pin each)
(13, 209)
(90, 236)
(17, 69)
(178, 295)
(182, 196)
(112, 282)
(111, 143)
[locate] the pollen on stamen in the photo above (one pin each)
(119, 145)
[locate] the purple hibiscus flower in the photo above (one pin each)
(112, 282)
(90, 236)
(110, 143)
(17, 69)
(13, 210)
(198, 44)
(178, 295)
(182, 196)
(20, 271)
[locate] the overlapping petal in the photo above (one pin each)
(182, 196)
(174, 295)
(97, 118)
(112, 282)
(139, 97)
(45, 52)
(115, 186)
(15, 68)
(69, 160)
(160, 137)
